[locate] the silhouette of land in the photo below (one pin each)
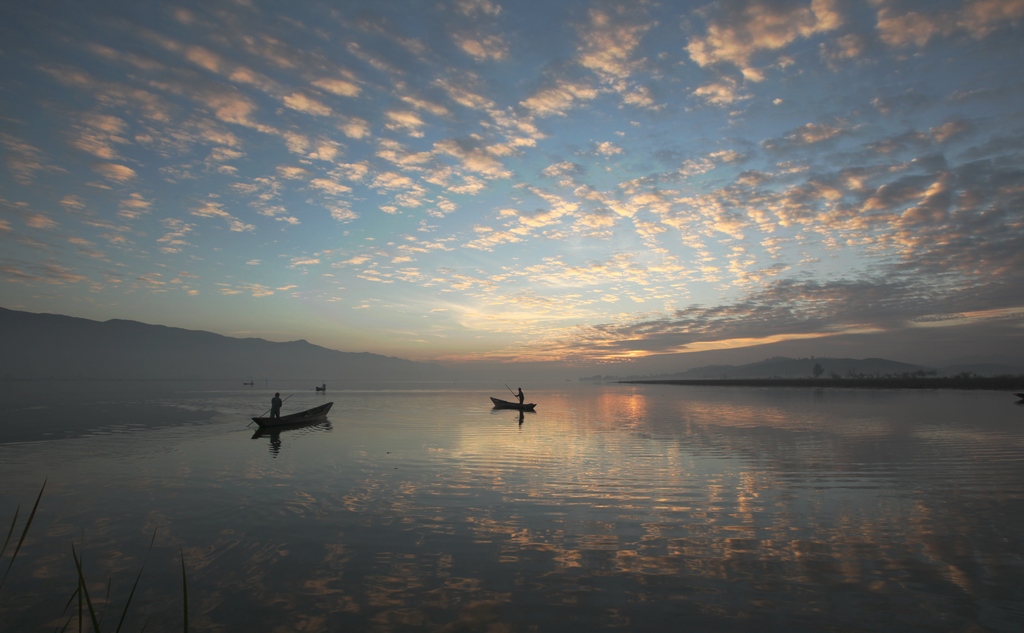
(57, 347)
(994, 383)
(781, 367)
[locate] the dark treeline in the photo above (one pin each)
(992, 383)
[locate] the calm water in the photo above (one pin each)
(613, 506)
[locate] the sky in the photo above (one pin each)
(559, 183)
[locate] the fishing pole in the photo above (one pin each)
(272, 408)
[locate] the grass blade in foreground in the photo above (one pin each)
(24, 532)
(184, 588)
(131, 594)
(85, 592)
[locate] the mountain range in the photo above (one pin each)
(56, 347)
(784, 367)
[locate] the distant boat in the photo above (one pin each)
(250, 383)
(309, 415)
(321, 388)
(504, 404)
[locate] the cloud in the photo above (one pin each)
(426, 105)
(304, 103)
(951, 130)
(475, 7)
(608, 42)
(113, 171)
(99, 133)
(909, 28)
(908, 101)
(23, 159)
(237, 226)
(216, 210)
(134, 207)
(558, 99)
(211, 210)
(47, 272)
(39, 221)
(330, 187)
(258, 290)
(463, 95)
(473, 158)
(979, 18)
(340, 87)
(723, 92)
(405, 121)
(488, 238)
(482, 47)
(565, 168)
(354, 127)
(291, 172)
(805, 136)
(846, 47)
(741, 29)
(393, 180)
(343, 214)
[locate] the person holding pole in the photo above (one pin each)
(275, 406)
(518, 395)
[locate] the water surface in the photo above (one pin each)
(417, 506)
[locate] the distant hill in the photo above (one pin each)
(783, 367)
(51, 346)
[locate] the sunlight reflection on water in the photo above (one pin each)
(640, 507)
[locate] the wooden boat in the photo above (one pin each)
(276, 430)
(504, 404)
(309, 415)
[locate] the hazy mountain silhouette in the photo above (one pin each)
(781, 367)
(784, 367)
(50, 346)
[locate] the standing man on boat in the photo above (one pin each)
(275, 406)
(521, 396)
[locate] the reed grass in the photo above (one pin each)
(24, 533)
(87, 612)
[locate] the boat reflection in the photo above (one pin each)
(521, 414)
(274, 433)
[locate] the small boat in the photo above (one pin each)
(505, 404)
(321, 388)
(309, 415)
(249, 384)
(1019, 395)
(273, 431)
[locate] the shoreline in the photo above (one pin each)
(994, 383)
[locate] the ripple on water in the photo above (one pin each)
(609, 507)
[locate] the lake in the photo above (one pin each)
(418, 507)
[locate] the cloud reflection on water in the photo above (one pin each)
(611, 507)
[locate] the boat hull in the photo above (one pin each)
(309, 415)
(505, 404)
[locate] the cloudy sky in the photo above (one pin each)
(558, 181)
